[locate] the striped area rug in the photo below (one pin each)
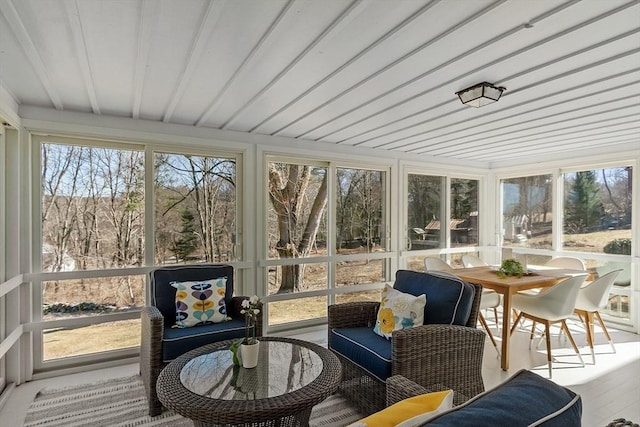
(121, 402)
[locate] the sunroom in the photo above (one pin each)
(317, 147)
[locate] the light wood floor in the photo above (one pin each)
(610, 389)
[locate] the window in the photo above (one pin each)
(94, 209)
(597, 219)
(597, 209)
(297, 214)
(59, 343)
(424, 211)
(360, 225)
(312, 256)
(195, 209)
(464, 212)
(527, 214)
(442, 213)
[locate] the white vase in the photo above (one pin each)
(249, 354)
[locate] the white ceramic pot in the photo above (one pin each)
(249, 354)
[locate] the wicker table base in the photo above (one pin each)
(203, 384)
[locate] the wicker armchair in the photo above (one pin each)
(160, 343)
(435, 356)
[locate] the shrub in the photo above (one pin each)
(618, 246)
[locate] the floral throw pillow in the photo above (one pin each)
(398, 310)
(200, 302)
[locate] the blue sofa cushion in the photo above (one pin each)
(176, 341)
(163, 295)
(449, 299)
(525, 399)
(364, 348)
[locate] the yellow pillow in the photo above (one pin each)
(398, 310)
(413, 411)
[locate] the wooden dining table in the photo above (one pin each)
(509, 286)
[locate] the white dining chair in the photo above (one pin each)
(570, 263)
(552, 305)
(591, 298)
(490, 299)
(472, 261)
(436, 264)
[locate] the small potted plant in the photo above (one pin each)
(250, 345)
(511, 267)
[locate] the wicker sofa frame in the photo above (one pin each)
(436, 357)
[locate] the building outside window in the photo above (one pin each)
(442, 213)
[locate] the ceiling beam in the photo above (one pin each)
(208, 23)
(486, 44)
(149, 12)
(246, 64)
(82, 52)
(353, 9)
(346, 64)
(382, 70)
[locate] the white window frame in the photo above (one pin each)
(445, 208)
(3, 238)
(331, 291)
(556, 169)
(36, 325)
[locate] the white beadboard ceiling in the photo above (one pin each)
(366, 73)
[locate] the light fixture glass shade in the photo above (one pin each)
(480, 94)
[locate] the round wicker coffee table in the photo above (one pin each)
(291, 377)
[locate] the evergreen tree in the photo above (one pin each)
(187, 243)
(584, 204)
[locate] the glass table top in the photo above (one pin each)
(283, 367)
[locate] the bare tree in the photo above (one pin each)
(288, 193)
(60, 175)
(88, 230)
(123, 174)
(206, 186)
(359, 206)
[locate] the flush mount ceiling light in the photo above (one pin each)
(481, 94)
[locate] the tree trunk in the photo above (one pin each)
(287, 201)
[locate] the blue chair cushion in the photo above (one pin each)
(177, 341)
(524, 399)
(369, 351)
(163, 295)
(449, 299)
